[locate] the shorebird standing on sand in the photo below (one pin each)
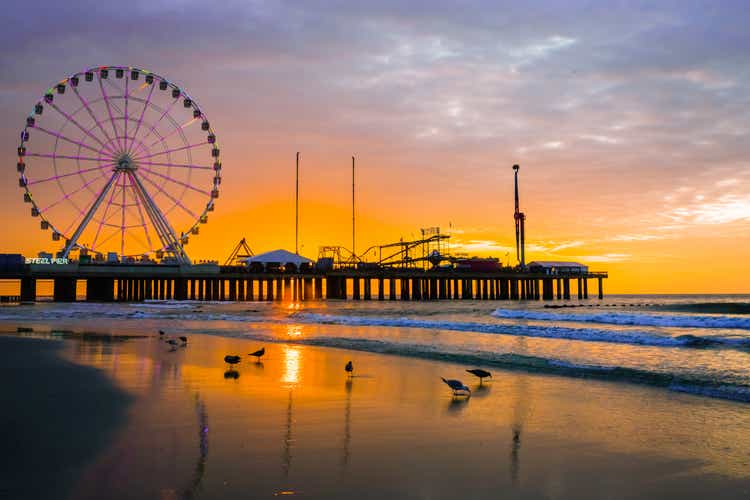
(480, 373)
(258, 354)
(349, 368)
(457, 386)
(231, 360)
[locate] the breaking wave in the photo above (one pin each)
(616, 318)
(192, 312)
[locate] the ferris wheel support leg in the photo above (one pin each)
(92, 210)
(163, 228)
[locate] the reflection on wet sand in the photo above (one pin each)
(481, 391)
(347, 425)
(290, 377)
(192, 489)
(457, 404)
(521, 395)
(286, 456)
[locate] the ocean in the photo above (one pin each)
(695, 344)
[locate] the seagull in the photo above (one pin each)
(457, 386)
(480, 373)
(184, 340)
(258, 353)
(349, 368)
(232, 360)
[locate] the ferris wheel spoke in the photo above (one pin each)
(114, 86)
(176, 201)
(125, 96)
(93, 117)
(74, 122)
(122, 220)
(143, 219)
(64, 138)
(176, 165)
(87, 218)
(143, 112)
(175, 181)
(77, 172)
(175, 150)
(68, 195)
(174, 131)
(109, 111)
(55, 156)
(113, 234)
(103, 219)
(156, 123)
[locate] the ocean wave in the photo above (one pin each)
(616, 318)
(694, 384)
(645, 338)
(705, 307)
(156, 311)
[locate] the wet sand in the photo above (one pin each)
(55, 418)
(296, 425)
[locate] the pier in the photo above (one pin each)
(139, 282)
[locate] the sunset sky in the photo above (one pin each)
(630, 123)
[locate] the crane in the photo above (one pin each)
(520, 219)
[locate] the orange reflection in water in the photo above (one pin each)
(294, 331)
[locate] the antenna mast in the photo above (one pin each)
(354, 253)
(296, 210)
(520, 219)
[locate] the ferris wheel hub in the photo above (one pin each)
(126, 164)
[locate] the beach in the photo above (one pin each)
(176, 422)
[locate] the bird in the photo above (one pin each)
(172, 342)
(349, 368)
(260, 352)
(457, 386)
(184, 340)
(231, 360)
(480, 373)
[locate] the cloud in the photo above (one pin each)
(607, 257)
(602, 139)
(724, 209)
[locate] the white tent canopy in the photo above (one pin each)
(278, 257)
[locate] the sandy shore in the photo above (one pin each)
(295, 425)
(56, 417)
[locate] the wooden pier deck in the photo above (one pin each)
(137, 282)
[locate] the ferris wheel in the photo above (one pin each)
(119, 159)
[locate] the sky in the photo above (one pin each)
(630, 122)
